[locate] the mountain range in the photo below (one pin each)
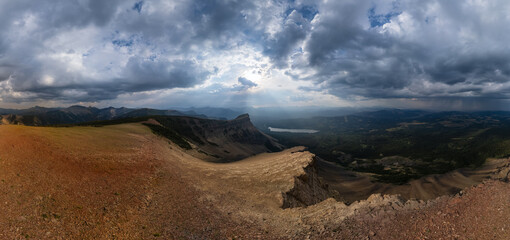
(41, 116)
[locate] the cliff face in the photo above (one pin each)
(222, 140)
(308, 189)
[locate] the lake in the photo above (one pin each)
(289, 130)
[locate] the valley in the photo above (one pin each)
(396, 146)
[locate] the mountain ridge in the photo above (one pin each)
(218, 140)
(41, 116)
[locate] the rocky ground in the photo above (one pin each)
(123, 182)
(480, 213)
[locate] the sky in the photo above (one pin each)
(425, 54)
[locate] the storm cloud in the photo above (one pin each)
(326, 52)
(408, 49)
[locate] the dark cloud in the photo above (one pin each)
(145, 74)
(216, 17)
(5, 72)
(284, 42)
(190, 23)
(139, 75)
(246, 83)
(473, 68)
(356, 50)
(33, 73)
(338, 30)
(52, 15)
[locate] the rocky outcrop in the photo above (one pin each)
(308, 189)
(502, 173)
(12, 119)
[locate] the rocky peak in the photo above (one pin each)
(243, 116)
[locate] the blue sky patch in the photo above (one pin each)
(123, 42)
(138, 6)
(308, 12)
(377, 20)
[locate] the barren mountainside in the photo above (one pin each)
(136, 181)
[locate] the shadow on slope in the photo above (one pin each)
(214, 140)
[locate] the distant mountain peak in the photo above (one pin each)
(37, 107)
(243, 116)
